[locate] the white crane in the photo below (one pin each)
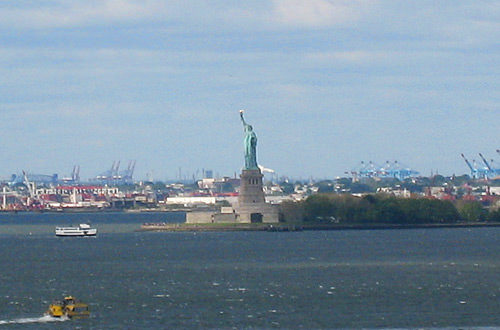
(30, 186)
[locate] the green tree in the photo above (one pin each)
(494, 215)
(471, 211)
(318, 208)
(422, 210)
(389, 211)
(375, 208)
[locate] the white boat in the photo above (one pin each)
(82, 230)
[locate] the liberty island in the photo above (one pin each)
(251, 206)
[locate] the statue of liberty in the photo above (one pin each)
(250, 144)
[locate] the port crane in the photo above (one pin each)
(127, 174)
(368, 170)
(75, 175)
(486, 172)
(114, 171)
(111, 174)
(390, 170)
(493, 172)
(114, 175)
(396, 170)
(29, 185)
(485, 162)
(10, 194)
(474, 171)
(32, 200)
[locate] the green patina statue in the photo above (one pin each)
(250, 144)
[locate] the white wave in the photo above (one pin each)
(161, 295)
(41, 319)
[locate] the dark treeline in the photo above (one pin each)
(373, 209)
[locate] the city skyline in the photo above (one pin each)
(325, 84)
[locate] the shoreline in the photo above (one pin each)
(283, 227)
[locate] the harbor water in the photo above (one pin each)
(347, 279)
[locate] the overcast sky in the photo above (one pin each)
(326, 84)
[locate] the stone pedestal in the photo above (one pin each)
(252, 206)
(251, 191)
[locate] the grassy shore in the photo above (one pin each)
(215, 227)
(191, 227)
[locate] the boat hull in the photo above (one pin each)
(70, 308)
(75, 231)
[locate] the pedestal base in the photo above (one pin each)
(257, 213)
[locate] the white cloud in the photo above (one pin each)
(319, 13)
(354, 56)
(190, 15)
(78, 12)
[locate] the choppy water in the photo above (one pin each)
(365, 279)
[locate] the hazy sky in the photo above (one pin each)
(326, 84)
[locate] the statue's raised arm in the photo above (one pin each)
(243, 119)
(250, 145)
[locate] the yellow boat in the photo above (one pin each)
(69, 307)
